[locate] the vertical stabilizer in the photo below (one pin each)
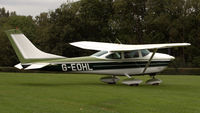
(25, 50)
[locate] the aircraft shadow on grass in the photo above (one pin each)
(60, 84)
(163, 87)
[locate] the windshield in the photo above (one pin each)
(145, 52)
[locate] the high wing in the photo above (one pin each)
(101, 46)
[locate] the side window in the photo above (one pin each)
(131, 54)
(115, 55)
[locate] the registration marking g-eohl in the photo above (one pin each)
(76, 67)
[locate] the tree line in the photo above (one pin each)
(130, 21)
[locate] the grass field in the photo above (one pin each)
(74, 93)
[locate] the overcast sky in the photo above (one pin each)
(31, 7)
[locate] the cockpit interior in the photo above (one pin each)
(122, 55)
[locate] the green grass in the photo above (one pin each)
(74, 93)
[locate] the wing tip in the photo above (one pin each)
(188, 44)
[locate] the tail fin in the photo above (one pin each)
(25, 50)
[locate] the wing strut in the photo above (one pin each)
(147, 65)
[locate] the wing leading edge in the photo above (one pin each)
(101, 46)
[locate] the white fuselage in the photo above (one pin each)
(130, 66)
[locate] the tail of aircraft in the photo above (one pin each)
(25, 50)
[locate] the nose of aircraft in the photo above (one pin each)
(171, 57)
(163, 56)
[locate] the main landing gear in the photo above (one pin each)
(113, 80)
(153, 80)
(131, 81)
(110, 79)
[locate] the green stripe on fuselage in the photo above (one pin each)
(68, 67)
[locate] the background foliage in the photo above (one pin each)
(130, 21)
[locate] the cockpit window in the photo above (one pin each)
(131, 54)
(145, 52)
(115, 55)
(100, 53)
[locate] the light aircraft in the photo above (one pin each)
(112, 59)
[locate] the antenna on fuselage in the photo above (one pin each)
(118, 41)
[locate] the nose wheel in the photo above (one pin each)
(153, 81)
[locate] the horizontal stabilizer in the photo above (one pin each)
(36, 66)
(19, 66)
(101, 46)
